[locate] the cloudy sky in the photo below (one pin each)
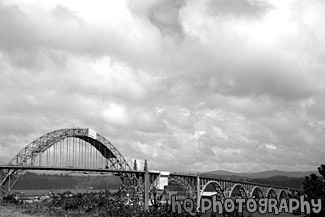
(189, 85)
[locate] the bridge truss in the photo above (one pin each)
(69, 148)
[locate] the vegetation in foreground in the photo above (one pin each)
(95, 204)
(88, 204)
(314, 188)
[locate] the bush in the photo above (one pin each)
(92, 204)
(314, 188)
(11, 198)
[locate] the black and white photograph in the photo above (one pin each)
(152, 108)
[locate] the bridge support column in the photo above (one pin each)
(198, 191)
(1, 195)
(146, 186)
(321, 170)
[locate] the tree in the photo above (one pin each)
(314, 188)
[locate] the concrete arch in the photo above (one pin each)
(217, 187)
(271, 193)
(184, 185)
(282, 195)
(257, 193)
(240, 189)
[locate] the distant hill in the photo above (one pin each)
(32, 181)
(62, 181)
(265, 174)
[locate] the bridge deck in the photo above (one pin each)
(50, 168)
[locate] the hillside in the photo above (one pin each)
(264, 174)
(34, 181)
(45, 181)
(293, 179)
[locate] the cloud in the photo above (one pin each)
(246, 8)
(188, 85)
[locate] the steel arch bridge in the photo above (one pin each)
(68, 148)
(83, 149)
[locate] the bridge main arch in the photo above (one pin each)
(27, 156)
(103, 146)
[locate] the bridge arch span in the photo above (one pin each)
(282, 195)
(271, 193)
(106, 150)
(103, 146)
(257, 193)
(183, 185)
(238, 190)
(217, 187)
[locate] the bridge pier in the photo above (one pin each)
(198, 190)
(321, 170)
(146, 186)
